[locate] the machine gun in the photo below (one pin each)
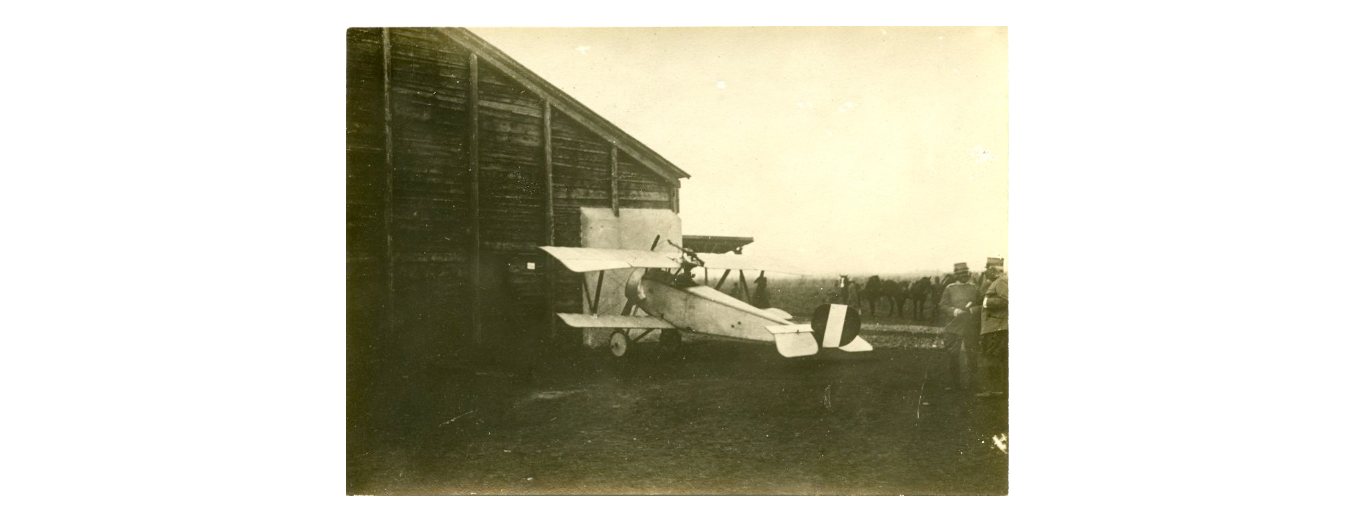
(688, 255)
(689, 261)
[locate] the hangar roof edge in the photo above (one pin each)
(566, 103)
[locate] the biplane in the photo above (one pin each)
(673, 302)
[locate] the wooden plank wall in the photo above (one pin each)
(513, 216)
(432, 194)
(431, 203)
(366, 231)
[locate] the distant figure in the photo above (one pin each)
(920, 294)
(843, 287)
(761, 297)
(936, 291)
(903, 290)
(853, 295)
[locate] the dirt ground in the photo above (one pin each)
(715, 418)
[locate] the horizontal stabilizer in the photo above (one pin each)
(790, 328)
(793, 344)
(580, 320)
(782, 314)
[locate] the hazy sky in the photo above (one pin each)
(845, 150)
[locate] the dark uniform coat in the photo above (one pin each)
(985, 282)
(961, 295)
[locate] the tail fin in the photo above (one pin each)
(835, 325)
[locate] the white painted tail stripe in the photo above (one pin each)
(836, 319)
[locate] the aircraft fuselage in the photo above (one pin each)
(701, 309)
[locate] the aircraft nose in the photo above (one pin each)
(634, 291)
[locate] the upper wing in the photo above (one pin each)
(614, 321)
(597, 259)
(730, 261)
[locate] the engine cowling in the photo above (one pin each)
(634, 292)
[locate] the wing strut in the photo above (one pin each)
(597, 297)
(721, 279)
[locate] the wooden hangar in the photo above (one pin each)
(461, 164)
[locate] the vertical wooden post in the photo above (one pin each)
(547, 138)
(549, 264)
(475, 311)
(677, 197)
(388, 196)
(615, 184)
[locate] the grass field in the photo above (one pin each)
(715, 418)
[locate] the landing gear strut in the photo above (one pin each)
(669, 341)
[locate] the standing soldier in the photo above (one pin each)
(961, 302)
(761, 297)
(994, 268)
(994, 337)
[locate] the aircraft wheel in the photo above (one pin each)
(669, 340)
(620, 341)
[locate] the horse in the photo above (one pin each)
(895, 293)
(871, 292)
(920, 294)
